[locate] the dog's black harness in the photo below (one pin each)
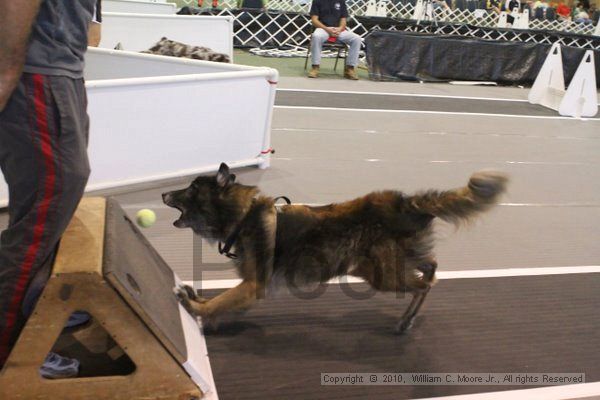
(284, 198)
(230, 241)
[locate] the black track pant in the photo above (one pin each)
(43, 155)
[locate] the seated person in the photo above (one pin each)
(329, 19)
(508, 6)
(592, 13)
(580, 14)
(564, 12)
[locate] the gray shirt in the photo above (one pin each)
(59, 38)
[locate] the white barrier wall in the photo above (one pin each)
(156, 124)
(137, 32)
(140, 7)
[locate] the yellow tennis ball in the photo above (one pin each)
(146, 218)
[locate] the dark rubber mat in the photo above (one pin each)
(414, 103)
(537, 324)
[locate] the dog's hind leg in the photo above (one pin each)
(427, 279)
(408, 318)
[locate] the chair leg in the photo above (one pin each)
(336, 60)
(306, 59)
(307, 54)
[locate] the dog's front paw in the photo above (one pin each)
(182, 295)
(191, 294)
(188, 293)
(195, 306)
(187, 298)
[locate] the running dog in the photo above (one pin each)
(385, 238)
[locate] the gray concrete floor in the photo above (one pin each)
(550, 217)
(404, 87)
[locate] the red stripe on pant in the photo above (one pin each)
(49, 179)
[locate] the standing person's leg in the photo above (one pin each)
(354, 42)
(43, 155)
(319, 37)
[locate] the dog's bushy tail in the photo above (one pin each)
(463, 204)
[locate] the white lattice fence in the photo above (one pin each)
(291, 30)
(566, 26)
(405, 10)
(507, 34)
(287, 5)
(272, 29)
(486, 18)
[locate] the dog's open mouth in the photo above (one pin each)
(180, 223)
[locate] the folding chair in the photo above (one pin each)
(342, 51)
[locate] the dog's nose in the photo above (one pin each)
(166, 198)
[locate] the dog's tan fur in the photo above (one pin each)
(386, 237)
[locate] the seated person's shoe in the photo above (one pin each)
(57, 367)
(350, 73)
(314, 72)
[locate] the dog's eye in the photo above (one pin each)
(191, 192)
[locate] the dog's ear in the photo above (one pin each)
(224, 178)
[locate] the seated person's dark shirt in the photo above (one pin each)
(329, 11)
